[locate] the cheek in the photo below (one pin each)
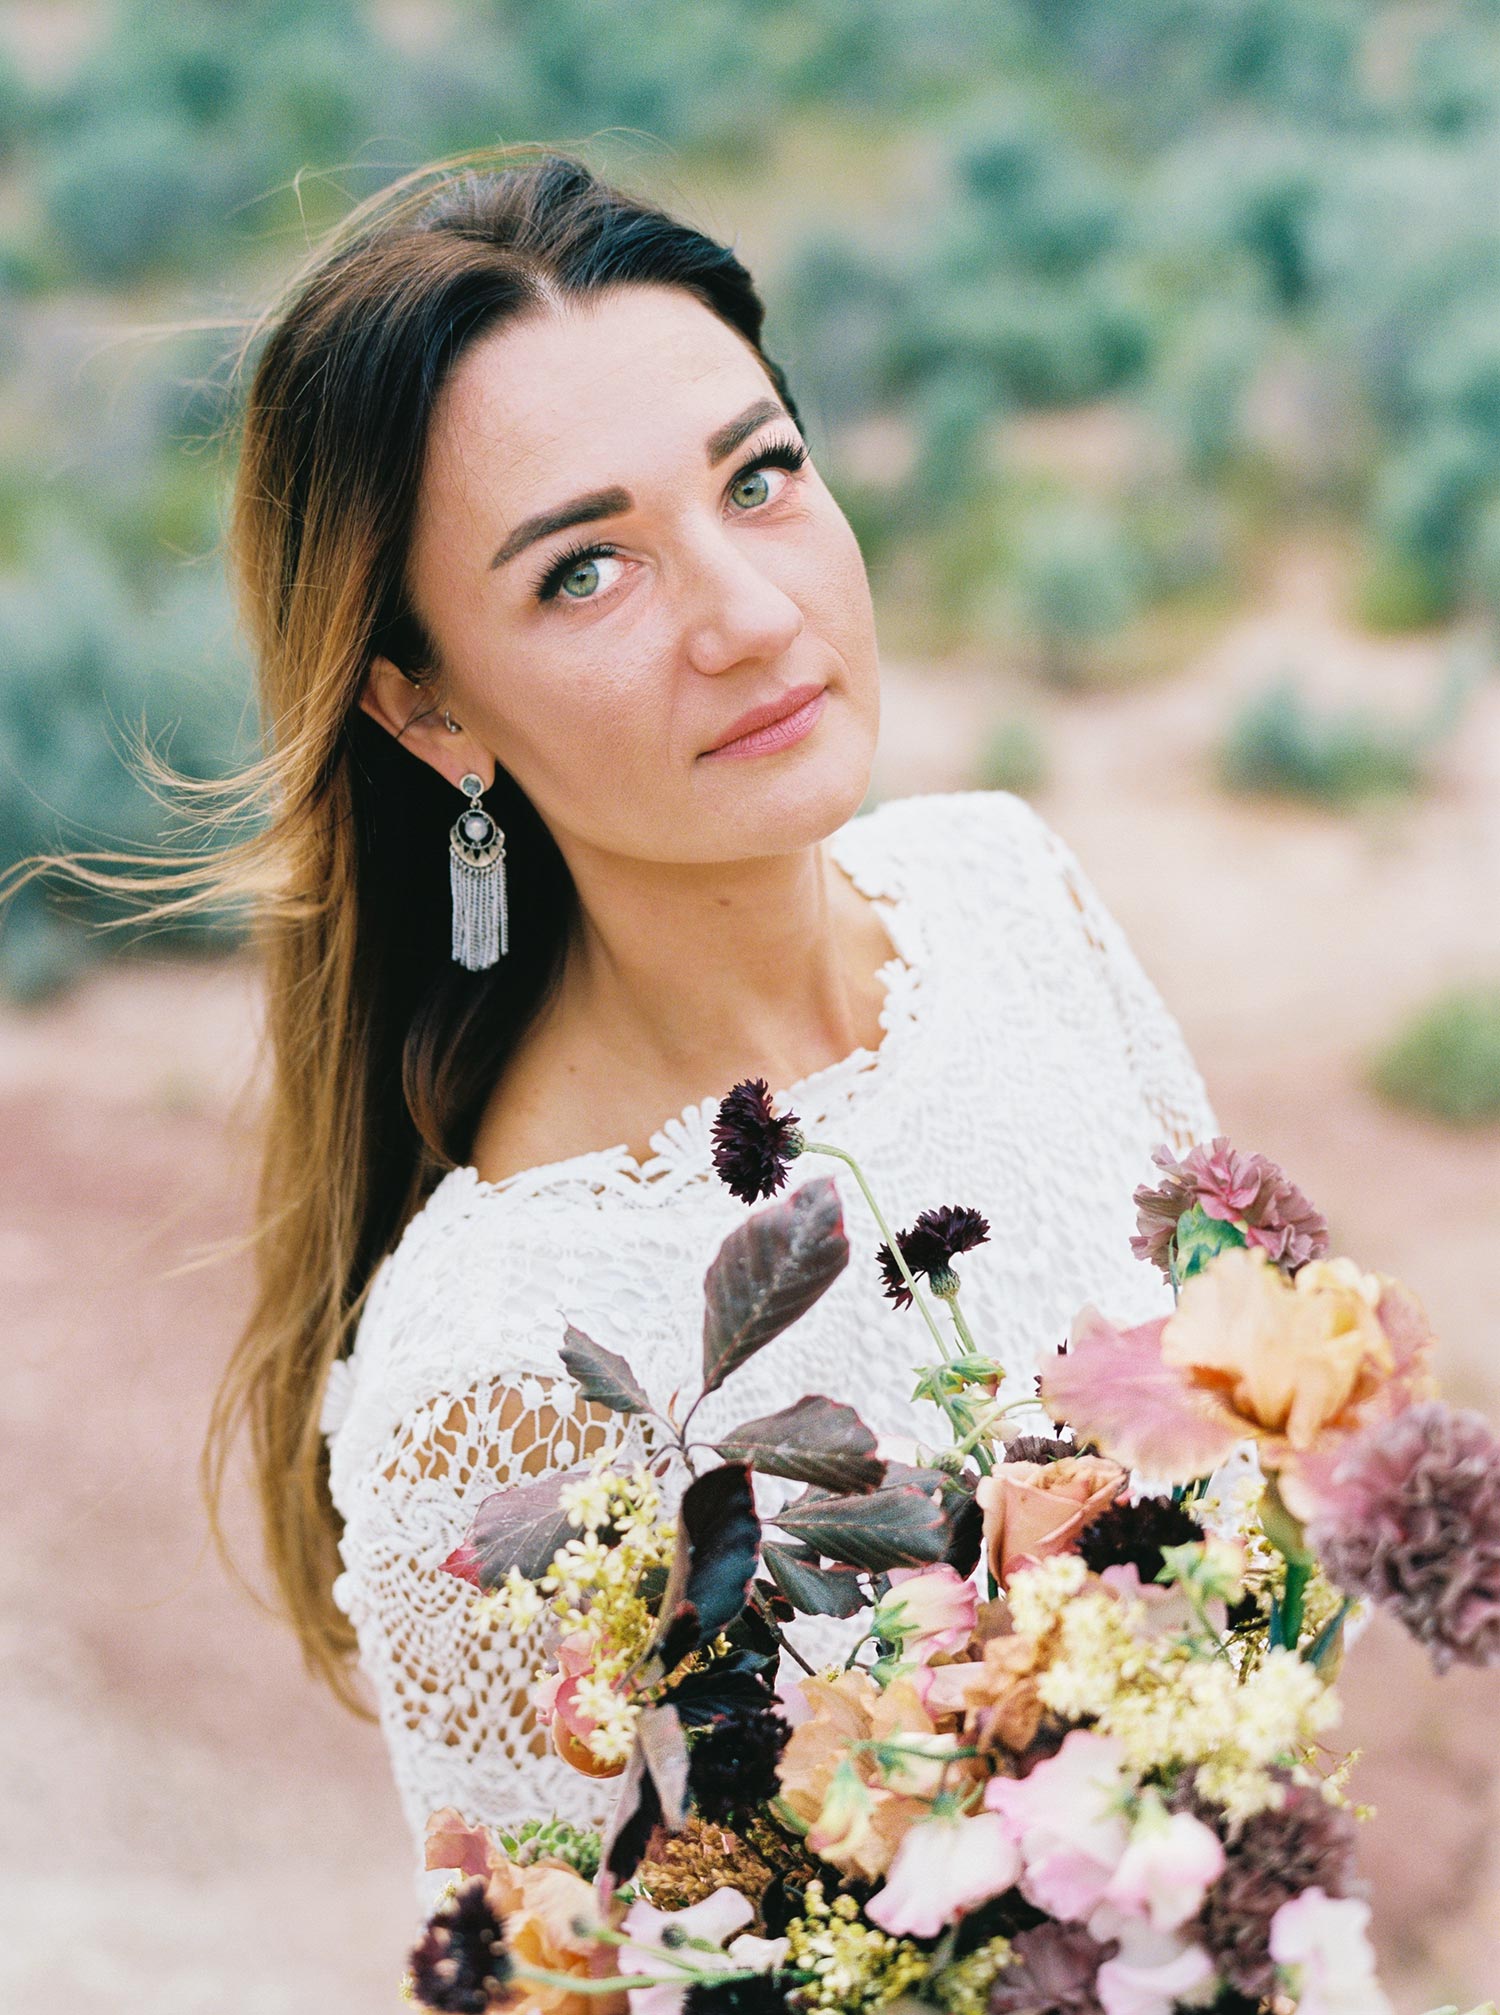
(576, 719)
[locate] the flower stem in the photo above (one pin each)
(839, 1154)
(969, 1347)
(1290, 1632)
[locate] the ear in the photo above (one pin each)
(413, 714)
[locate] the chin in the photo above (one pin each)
(798, 799)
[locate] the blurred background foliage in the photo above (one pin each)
(1262, 239)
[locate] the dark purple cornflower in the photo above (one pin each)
(930, 1248)
(1039, 1448)
(760, 1994)
(1133, 1535)
(753, 1148)
(461, 1965)
(732, 1763)
(1247, 1189)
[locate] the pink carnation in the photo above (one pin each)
(1410, 1517)
(1244, 1189)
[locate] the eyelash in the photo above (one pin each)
(778, 454)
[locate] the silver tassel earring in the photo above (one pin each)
(476, 875)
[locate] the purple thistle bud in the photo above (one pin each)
(753, 1149)
(1246, 1189)
(930, 1248)
(1411, 1519)
(461, 1965)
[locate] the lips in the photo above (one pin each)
(766, 715)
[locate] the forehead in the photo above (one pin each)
(579, 396)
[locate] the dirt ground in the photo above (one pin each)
(188, 1824)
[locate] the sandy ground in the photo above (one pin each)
(188, 1824)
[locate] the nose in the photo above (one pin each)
(733, 609)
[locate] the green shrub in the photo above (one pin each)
(1013, 758)
(1423, 514)
(1077, 582)
(1278, 742)
(130, 196)
(85, 670)
(1446, 1059)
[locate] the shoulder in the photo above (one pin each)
(976, 851)
(936, 831)
(466, 1293)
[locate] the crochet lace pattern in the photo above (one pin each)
(1028, 1067)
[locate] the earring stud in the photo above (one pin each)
(449, 722)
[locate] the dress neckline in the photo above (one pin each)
(683, 1150)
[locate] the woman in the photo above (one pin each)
(526, 523)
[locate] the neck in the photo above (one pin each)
(698, 976)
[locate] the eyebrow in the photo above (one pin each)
(612, 503)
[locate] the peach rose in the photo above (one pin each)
(996, 1694)
(857, 1814)
(538, 1906)
(1035, 1509)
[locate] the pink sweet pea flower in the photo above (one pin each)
(554, 1694)
(715, 1918)
(944, 1866)
(1323, 1940)
(1171, 1861)
(1068, 1816)
(928, 1610)
(1153, 1973)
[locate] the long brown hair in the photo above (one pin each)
(380, 1050)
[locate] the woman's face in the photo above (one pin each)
(600, 661)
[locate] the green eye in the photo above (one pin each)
(588, 567)
(755, 476)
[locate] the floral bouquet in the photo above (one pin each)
(1071, 1759)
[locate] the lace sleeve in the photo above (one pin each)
(454, 1698)
(1171, 1085)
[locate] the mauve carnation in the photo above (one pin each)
(1054, 1971)
(1239, 1188)
(1306, 1842)
(1411, 1519)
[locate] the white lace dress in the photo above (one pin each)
(1028, 1067)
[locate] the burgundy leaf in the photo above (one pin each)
(815, 1440)
(636, 1816)
(659, 1732)
(770, 1270)
(521, 1527)
(463, 1562)
(602, 1375)
(903, 1524)
(815, 1590)
(718, 1551)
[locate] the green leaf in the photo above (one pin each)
(815, 1590)
(903, 1524)
(770, 1270)
(815, 1440)
(1200, 1238)
(602, 1375)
